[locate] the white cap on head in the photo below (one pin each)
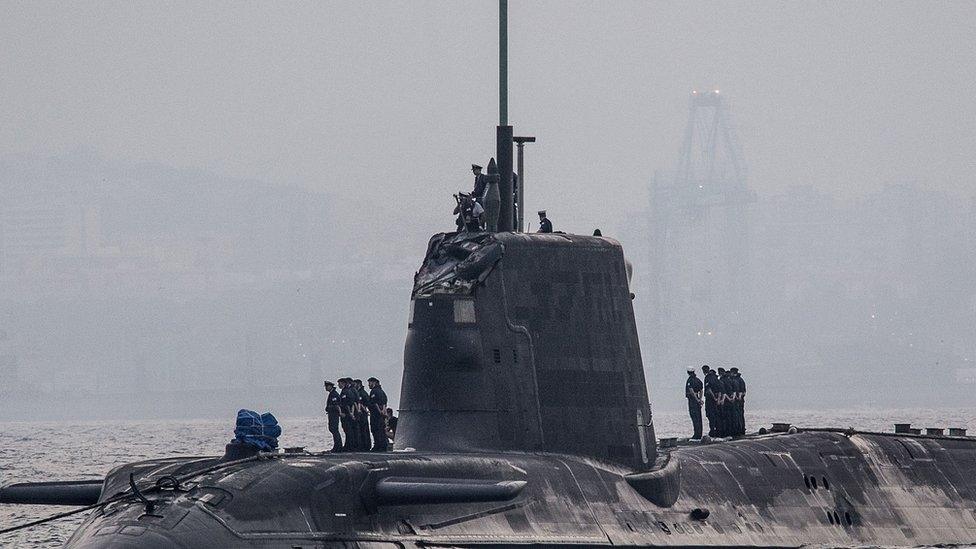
(691, 369)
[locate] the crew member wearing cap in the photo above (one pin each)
(377, 415)
(347, 405)
(545, 226)
(469, 213)
(333, 412)
(733, 428)
(711, 396)
(693, 392)
(727, 403)
(740, 402)
(480, 183)
(719, 402)
(362, 416)
(391, 425)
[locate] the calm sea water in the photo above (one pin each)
(40, 451)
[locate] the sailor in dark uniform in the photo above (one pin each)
(332, 410)
(545, 226)
(377, 415)
(727, 403)
(362, 416)
(711, 397)
(391, 425)
(469, 214)
(740, 402)
(347, 404)
(714, 386)
(720, 403)
(693, 392)
(480, 182)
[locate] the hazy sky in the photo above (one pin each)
(392, 101)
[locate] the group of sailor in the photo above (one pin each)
(478, 210)
(723, 393)
(360, 414)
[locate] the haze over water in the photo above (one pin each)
(193, 196)
(209, 207)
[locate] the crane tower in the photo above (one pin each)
(699, 241)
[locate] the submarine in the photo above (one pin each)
(504, 441)
(525, 421)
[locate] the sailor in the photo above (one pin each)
(693, 392)
(469, 213)
(728, 403)
(733, 404)
(711, 399)
(334, 413)
(391, 424)
(362, 416)
(480, 182)
(545, 226)
(377, 415)
(720, 403)
(347, 406)
(740, 402)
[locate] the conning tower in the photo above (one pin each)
(525, 342)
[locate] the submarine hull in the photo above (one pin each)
(783, 490)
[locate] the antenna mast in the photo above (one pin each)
(503, 136)
(502, 62)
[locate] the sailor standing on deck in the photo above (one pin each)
(480, 182)
(545, 226)
(720, 403)
(693, 392)
(377, 415)
(362, 416)
(391, 425)
(347, 405)
(728, 403)
(733, 404)
(334, 413)
(711, 397)
(740, 402)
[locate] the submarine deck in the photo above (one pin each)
(827, 487)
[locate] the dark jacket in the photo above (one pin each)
(363, 397)
(728, 384)
(713, 387)
(377, 400)
(480, 184)
(740, 384)
(333, 402)
(693, 386)
(347, 399)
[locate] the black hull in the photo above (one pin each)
(881, 490)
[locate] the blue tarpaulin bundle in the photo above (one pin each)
(259, 430)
